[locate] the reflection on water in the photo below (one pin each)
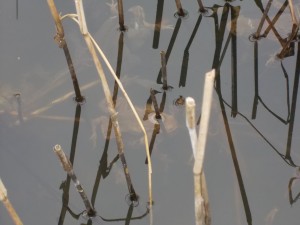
(255, 106)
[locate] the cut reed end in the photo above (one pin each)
(57, 148)
(211, 74)
(66, 164)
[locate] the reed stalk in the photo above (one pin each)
(121, 15)
(73, 16)
(204, 121)
(180, 10)
(155, 105)
(164, 69)
(90, 40)
(11, 211)
(202, 213)
(66, 164)
(265, 15)
(60, 39)
(113, 113)
(201, 6)
(190, 122)
(294, 19)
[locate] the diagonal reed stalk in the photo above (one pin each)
(91, 43)
(67, 166)
(11, 211)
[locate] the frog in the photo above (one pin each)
(180, 101)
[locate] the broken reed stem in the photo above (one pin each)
(190, 122)
(164, 69)
(60, 39)
(66, 164)
(155, 105)
(121, 15)
(11, 211)
(179, 8)
(201, 206)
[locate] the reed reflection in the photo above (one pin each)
(157, 122)
(287, 45)
(292, 182)
(158, 18)
(220, 53)
(293, 106)
(235, 159)
(129, 216)
(169, 49)
(185, 60)
(290, 104)
(217, 62)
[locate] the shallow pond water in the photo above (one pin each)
(251, 161)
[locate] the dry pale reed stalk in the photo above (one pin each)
(204, 121)
(202, 213)
(190, 122)
(11, 211)
(201, 195)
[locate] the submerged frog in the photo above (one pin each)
(180, 101)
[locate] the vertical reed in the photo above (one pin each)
(201, 205)
(164, 69)
(121, 15)
(202, 210)
(66, 164)
(180, 10)
(190, 122)
(109, 101)
(155, 105)
(17, 9)
(204, 121)
(59, 38)
(91, 43)
(4, 198)
(201, 6)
